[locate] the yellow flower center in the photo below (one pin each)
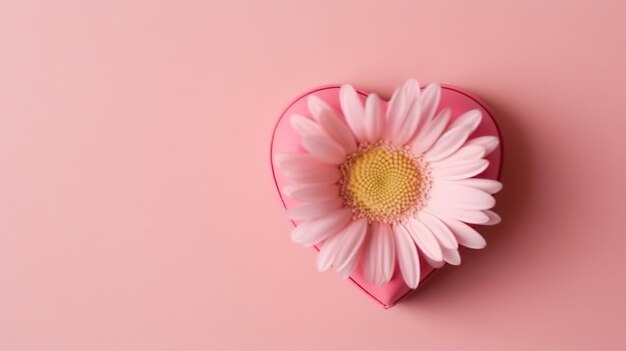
(383, 183)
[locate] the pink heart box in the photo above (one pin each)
(285, 139)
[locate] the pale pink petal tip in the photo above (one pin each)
(305, 126)
(471, 119)
(465, 234)
(408, 260)
(314, 210)
(324, 149)
(379, 256)
(489, 142)
(424, 238)
(448, 143)
(430, 101)
(313, 232)
(332, 123)
(353, 111)
(494, 218)
(374, 122)
(399, 107)
(348, 249)
(489, 185)
(452, 256)
(428, 135)
(312, 192)
(442, 233)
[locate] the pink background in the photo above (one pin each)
(137, 208)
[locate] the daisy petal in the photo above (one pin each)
(452, 256)
(424, 239)
(449, 142)
(332, 123)
(439, 229)
(313, 175)
(324, 148)
(327, 253)
(460, 171)
(374, 123)
(489, 185)
(430, 101)
(464, 154)
(305, 126)
(494, 218)
(432, 263)
(454, 195)
(351, 238)
(314, 210)
(428, 135)
(294, 160)
(317, 106)
(353, 111)
(408, 260)
(399, 105)
(379, 257)
(297, 166)
(466, 235)
(312, 193)
(316, 176)
(489, 142)
(313, 232)
(409, 125)
(344, 273)
(461, 214)
(470, 119)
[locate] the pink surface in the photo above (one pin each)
(286, 140)
(137, 209)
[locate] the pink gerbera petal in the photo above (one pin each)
(424, 239)
(494, 218)
(427, 136)
(306, 168)
(455, 195)
(452, 256)
(351, 238)
(408, 260)
(305, 126)
(312, 192)
(433, 263)
(439, 229)
(324, 149)
(409, 124)
(332, 123)
(464, 154)
(470, 118)
(314, 210)
(353, 111)
(374, 123)
(430, 101)
(449, 142)
(489, 142)
(461, 214)
(379, 256)
(466, 235)
(491, 186)
(327, 253)
(461, 170)
(399, 107)
(313, 232)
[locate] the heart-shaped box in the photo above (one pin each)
(285, 139)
